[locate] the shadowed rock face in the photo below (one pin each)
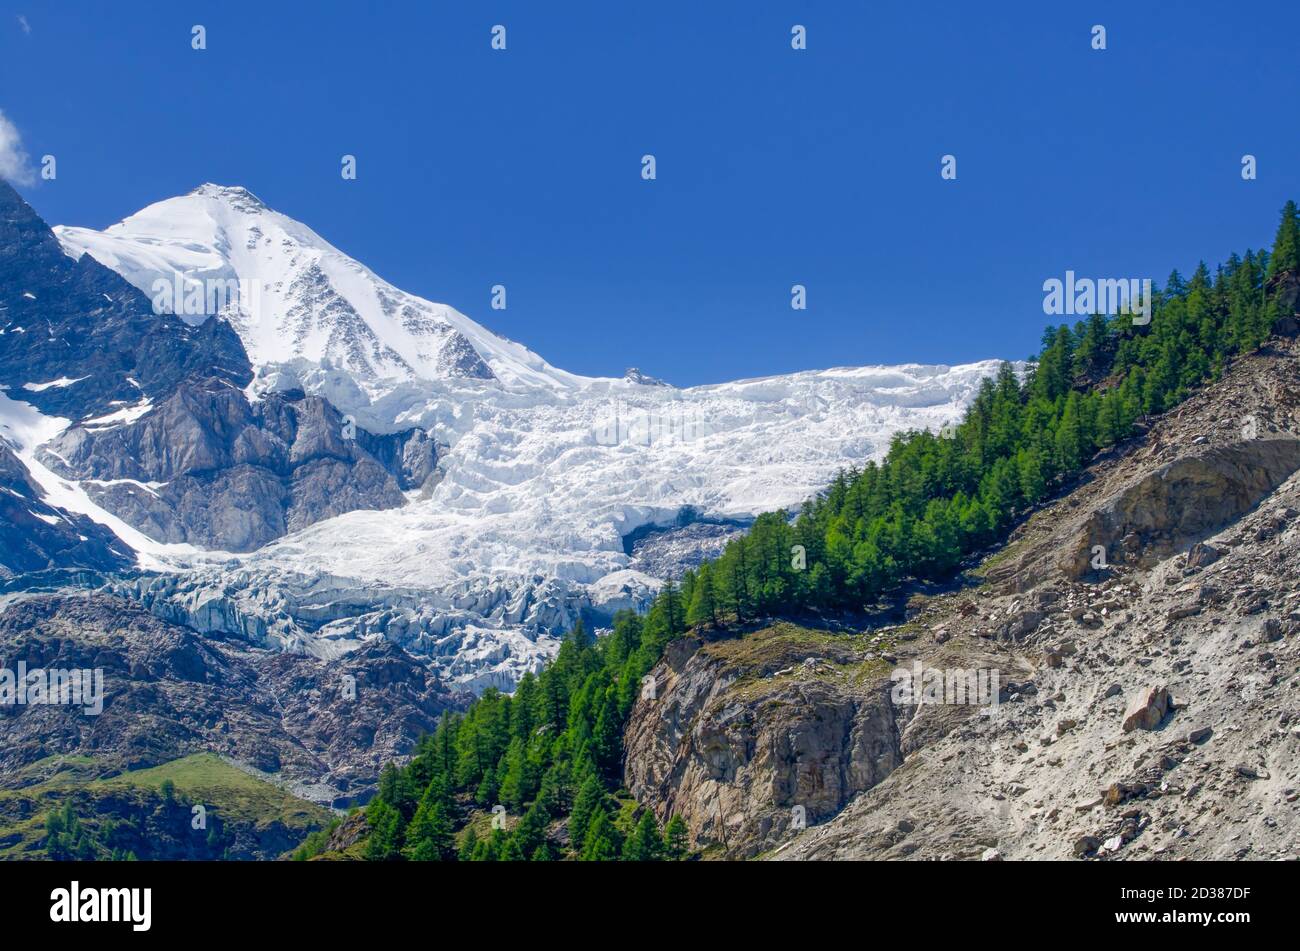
(208, 468)
(745, 740)
(37, 537)
(79, 321)
(326, 728)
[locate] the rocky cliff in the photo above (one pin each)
(744, 736)
(78, 341)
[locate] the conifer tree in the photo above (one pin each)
(676, 839)
(385, 842)
(468, 845)
(704, 607)
(590, 801)
(602, 842)
(1286, 245)
(430, 835)
(644, 844)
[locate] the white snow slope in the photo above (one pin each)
(546, 471)
(299, 296)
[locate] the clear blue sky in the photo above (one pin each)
(775, 167)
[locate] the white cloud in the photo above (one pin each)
(27, 27)
(14, 164)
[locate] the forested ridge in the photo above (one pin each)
(551, 754)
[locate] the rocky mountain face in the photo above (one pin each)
(208, 468)
(320, 729)
(1145, 630)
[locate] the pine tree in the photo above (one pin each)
(468, 845)
(676, 839)
(530, 834)
(520, 780)
(385, 842)
(644, 844)
(673, 613)
(430, 836)
(388, 780)
(1033, 481)
(704, 607)
(589, 803)
(578, 634)
(602, 842)
(1069, 437)
(607, 734)
(1286, 246)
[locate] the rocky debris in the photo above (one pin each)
(325, 729)
(1185, 499)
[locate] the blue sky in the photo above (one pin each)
(775, 167)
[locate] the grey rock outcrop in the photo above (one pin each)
(208, 468)
(747, 738)
(1184, 500)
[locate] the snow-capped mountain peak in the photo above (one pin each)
(291, 295)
